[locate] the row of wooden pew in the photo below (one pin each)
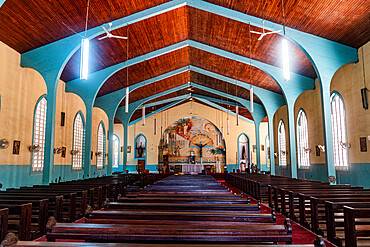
(177, 210)
(25, 211)
(338, 212)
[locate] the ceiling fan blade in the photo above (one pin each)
(103, 38)
(118, 37)
(255, 32)
(262, 35)
(276, 31)
(105, 30)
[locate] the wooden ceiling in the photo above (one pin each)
(26, 25)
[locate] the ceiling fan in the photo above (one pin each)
(109, 34)
(263, 33)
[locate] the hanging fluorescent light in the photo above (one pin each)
(286, 59)
(84, 67)
(127, 100)
(155, 126)
(143, 115)
(237, 115)
(251, 99)
(228, 126)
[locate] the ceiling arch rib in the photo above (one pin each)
(302, 83)
(258, 115)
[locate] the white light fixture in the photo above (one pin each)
(84, 68)
(126, 99)
(143, 115)
(251, 99)
(285, 59)
(237, 115)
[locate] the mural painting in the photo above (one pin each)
(191, 145)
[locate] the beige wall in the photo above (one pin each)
(310, 102)
(98, 116)
(20, 89)
(347, 81)
(167, 117)
(71, 104)
(281, 114)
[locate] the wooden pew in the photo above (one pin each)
(19, 219)
(39, 214)
(246, 208)
(187, 216)
(3, 223)
(174, 234)
(189, 200)
(76, 244)
(55, 206)
(335, 217)
(352, 230)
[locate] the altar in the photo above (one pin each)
(192, 168)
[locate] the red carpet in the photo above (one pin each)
(300, 234)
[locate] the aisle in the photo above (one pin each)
(300, 234)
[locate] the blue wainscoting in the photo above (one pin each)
(358, 175)
(15, 176)
(283, 171)
(316, 172)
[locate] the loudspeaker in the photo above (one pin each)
(365, 104)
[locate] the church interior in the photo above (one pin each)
(184, 123)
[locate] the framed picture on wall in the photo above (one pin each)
(64, 150)
(62, 118)
(363, 144)
(128, 149)
(16, 147)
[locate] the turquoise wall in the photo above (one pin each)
(15, 176)
(357, 175)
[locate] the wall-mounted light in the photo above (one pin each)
(345, 145)
(58, 150)
(84, 67)
(322, 148)
(34, 148)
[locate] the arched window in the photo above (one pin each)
(78, 142)
(100, 158)
(39, 126)
(302, 140)
(243, 152)
(267, 144)
(115, 151)
(140, 147)
(338, 119)
(282, 144)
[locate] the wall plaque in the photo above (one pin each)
(363, 144)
